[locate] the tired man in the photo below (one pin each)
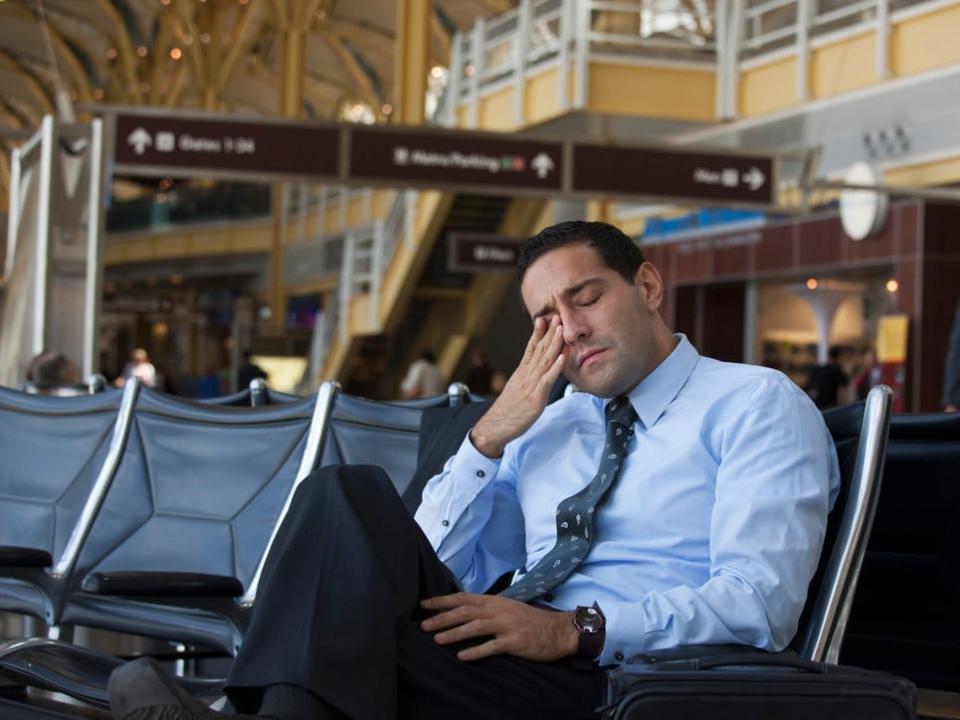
(674, 500)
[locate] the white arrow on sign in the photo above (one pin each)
(140, 139)
(542, 165)
(754, 178)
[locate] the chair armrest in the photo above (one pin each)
(11, 556)
(162, 584)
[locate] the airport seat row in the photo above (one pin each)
(363, 431)
(145, 513)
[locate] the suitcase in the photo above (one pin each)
(752, 685)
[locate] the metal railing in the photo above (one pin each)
(720, 34)
(538, 34)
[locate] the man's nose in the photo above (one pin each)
(573, 327)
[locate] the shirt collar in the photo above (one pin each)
(652, 395)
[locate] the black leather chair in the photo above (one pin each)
(905, 618)
(182, 532)
(57, 456)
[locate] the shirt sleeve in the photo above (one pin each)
(412, 380)
(471, 517)
(777, 478)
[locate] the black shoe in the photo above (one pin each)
(140, 690)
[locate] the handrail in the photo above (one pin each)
(567, 33)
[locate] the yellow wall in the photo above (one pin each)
(926, 41)
(496, 110)
(668, 92)
(542, 96)
(843, 66)
(768, 88)
(937, 172)
(238, 239)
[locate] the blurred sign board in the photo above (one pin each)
(460, 159)
(892, 332)
(478, 252)
(178, 145)
(183, 144)
(677, 174)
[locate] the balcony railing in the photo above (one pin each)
(720, 34)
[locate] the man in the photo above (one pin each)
(139, 367)
(51, 373)
(423, 378)
(676, 500)
(249, 371)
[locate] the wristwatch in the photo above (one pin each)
(591, 627)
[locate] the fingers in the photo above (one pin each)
(548, 339)
(450, 618)
(552, 374)
(491, 647)
(539, 328)
(481, 627)
(446, 602)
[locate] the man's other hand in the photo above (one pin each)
(526, 393)
(514, 628)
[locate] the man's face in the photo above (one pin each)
(607, 321)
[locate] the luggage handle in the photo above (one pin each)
(732, 659)
(783, 660)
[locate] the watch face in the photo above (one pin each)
(589, 620)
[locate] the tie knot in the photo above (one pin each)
(620, 411)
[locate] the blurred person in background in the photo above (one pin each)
(951, 373)
(49, 372)
(480, 373)
(827, 386)
(423, 378)
(868, 376)
(139, 367)
(249, 372)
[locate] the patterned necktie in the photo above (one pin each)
(575, 514)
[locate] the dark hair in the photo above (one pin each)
(616, 249)
(49, 370)
(428, 355)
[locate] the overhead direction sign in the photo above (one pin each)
(443, 158)
(481, 252)
(676, 174)
(149, 143)
(153, 144)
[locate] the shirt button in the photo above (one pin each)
(548, 597)
(481, 473)
(445, 523)
(618, 657)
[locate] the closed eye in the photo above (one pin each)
(590, 301)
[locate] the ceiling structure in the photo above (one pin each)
(67, 56)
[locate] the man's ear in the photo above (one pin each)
(649, 281)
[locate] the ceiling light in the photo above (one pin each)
(892, 285)
(176, 53)
(142, 51)
(812, 284)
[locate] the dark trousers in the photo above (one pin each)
(338, 614)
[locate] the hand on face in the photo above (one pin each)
(513, 627)
(525, 395)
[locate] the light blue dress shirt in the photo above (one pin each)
(711, 534)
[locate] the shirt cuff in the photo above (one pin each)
(475, 468)
(615, 650)
(465, 476)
